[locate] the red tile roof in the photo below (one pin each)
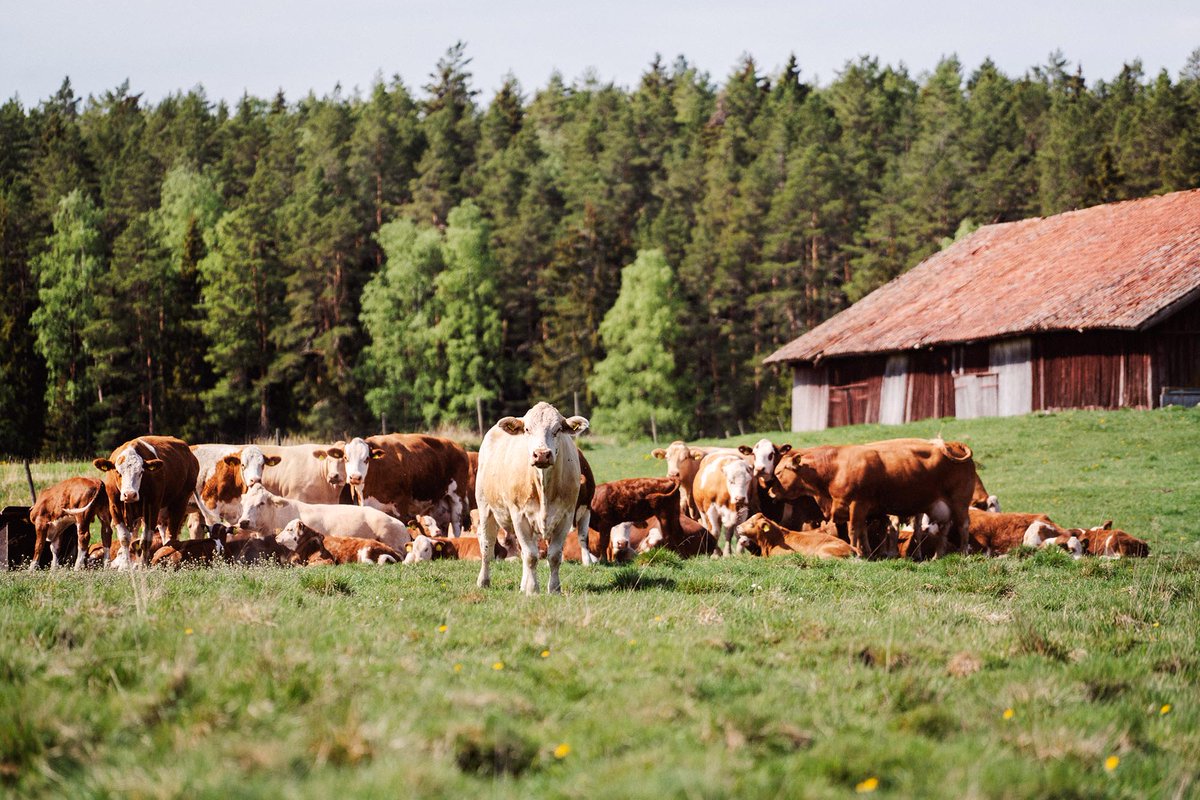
(1120, 266)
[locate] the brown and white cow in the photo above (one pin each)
(772, 539)
(433, 548)
(683, 464)
(1105, 542)
(724, 494)
(267, 513)
(75, 500)
(905, 477)
(633, 500)
(995, 533)
(143, 477)
(528, 483)
(798, 513)
(406, 474)
(300, 538)
(197, 552)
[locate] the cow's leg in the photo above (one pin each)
(38, 544)
(961, 522)
(125, 538)
(858, 529)
(489, 528)
(583, 521)
(554, 551)
(83, 530)
(175, 517)
(529, 555)
(54, 541)
(711, 519)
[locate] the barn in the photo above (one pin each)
(1095, 308)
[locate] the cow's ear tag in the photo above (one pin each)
(438, 547)
(765, 527)
(408, 547)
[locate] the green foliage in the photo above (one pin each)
(636, 381)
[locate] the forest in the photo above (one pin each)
(407, 258)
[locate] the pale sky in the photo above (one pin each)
(236, 46)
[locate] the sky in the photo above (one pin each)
(236, 46)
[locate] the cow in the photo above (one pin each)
(995, 533)
(694, 539)
(683, 463)
(406, 474)
(724, 492)
(906, 477)
(193, 551)
(775, 540)
(251, 548)
(267, 513)
(528, 483)
(980, 498)
(798, 513)
(1105, 542)
(632, 500)
(432, 548)
(310, 474)
(143, 477)
(75, 500)
(305, 542)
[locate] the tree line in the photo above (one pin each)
(406, 258)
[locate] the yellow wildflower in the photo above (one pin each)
(1008, 713)
(562, 751)
(1111, 762)
(869, 785)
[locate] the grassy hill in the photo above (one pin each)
(1018, 677)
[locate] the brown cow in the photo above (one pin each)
(775, 540)
(1105, 542)
(693, 539)
(632, 500)
(298, 537)
(143, 477)
(906, 477)
(683, 463)
(433, 548)
(994, 533)
(75, 500)
(583, 512)
(406, 474)
(252, 548)
(192, 551)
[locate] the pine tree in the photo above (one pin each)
(635, 384)
(451, 129)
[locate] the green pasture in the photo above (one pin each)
(1028, 676)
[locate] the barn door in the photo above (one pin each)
(894, 392)
(1013, 366)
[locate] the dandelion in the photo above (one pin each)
(1008, 713)
(1166, 709)
(499, 665)
(562, 751)
(632, 642)
(545, 654)
(442, 628)
(869, 785)
(658, 618)
(458, 667)
(1155, 625)
(187, 631)
(1111, 762)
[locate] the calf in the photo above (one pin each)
(306, 542)
(192, 551)
(1105, 542)
(249, 548)
(994, 533)
(980, 498)
(724, 490)
(632, 500)
(431, 548)
(693, 539)
(775, 540)
(75, 500)
(266, 513)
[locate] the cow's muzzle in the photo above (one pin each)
(542, 459)
(129, 497)
(355, 480)
(336, 480)
(244, 524)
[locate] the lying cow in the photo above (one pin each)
(248, 548)
(633, 500)
(192, 552)
(143, 477)
(528, 483)
(694, 540)
(75, 500)
(723, 492)
(772, 539)
(304, 542)
(906, 477)
(1105, 542)
(434, 548)
(995, 533)
(266, 513)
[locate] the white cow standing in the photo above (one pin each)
(528, 483)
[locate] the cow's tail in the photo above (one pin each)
(955, 451)
(210, 518)
(88, 505)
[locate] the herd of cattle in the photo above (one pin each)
(408, 497)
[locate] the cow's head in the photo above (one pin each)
(676, 454)
(419, 549)
(738, 479)
(295, 533)
(359, 454)
(258, 510)
(252, 461)
(765, 457)
(130, 466)
(798, 472)
(542, 426)
(334, 459)
(1105, 542)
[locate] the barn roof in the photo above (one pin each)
(1121, 266)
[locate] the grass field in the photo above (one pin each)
(1033, 676)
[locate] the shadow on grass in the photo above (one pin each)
(633, 579)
